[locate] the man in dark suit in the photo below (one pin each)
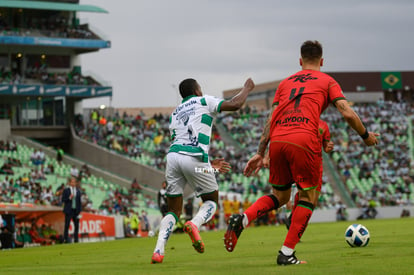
(71, 198)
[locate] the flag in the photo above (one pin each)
(391, 80)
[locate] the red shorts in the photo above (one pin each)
(290, 163)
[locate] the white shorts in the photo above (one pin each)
(183, 169)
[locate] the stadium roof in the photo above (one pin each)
(41, 5)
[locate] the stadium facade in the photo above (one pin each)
(41, 79)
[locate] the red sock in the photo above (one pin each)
(300, 219)
(263, 205)
(296, 201)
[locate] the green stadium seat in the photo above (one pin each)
(51, 180)
(350, 184)
(252, 197)
(391, 189)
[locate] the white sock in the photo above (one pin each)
(166, 228)
(205, 213)
(245, 221)
(286, 250)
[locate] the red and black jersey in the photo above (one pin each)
(301, 98)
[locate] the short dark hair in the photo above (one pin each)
(311, 51)
(188, 87)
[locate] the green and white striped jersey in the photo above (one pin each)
(191, 125)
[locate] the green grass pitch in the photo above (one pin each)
(390, 251)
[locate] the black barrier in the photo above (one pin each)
(7, 228)
(8, 222)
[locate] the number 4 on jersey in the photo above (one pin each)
(298, 96)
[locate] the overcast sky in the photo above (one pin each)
(220, 43)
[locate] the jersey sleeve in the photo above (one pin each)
(326, 134)
(276, 98)
(335, 91)
(213, 103)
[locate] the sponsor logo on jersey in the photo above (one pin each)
(292, 119)
(180, 107)
(302, 78)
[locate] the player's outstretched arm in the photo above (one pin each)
(256, 162)
(221, 165)
(265, 137)
(238, 100)
(253, 165)
(370, 138)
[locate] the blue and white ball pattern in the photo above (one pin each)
(357, 235)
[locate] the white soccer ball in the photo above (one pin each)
(357, 235)
(151, 233)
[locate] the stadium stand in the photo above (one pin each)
(382, 174)
(146, 140)
(41, 183)
(143, 140)
(46, 24)
(42, 89)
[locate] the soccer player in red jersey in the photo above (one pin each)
(295, 149)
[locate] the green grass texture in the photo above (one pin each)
(323, 246)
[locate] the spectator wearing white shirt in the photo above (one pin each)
(109, 127)
(74, 172)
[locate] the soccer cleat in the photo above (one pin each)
(157, 258)
(282, 259)
(192, 231)
(233, 232)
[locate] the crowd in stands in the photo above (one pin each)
(245, 127)
(137, 137)
(376, 176)
(53, 26)
(29, 233)
(146, 140)
(381, 175)
(26, 184)
(136, 225)
(39, 74)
